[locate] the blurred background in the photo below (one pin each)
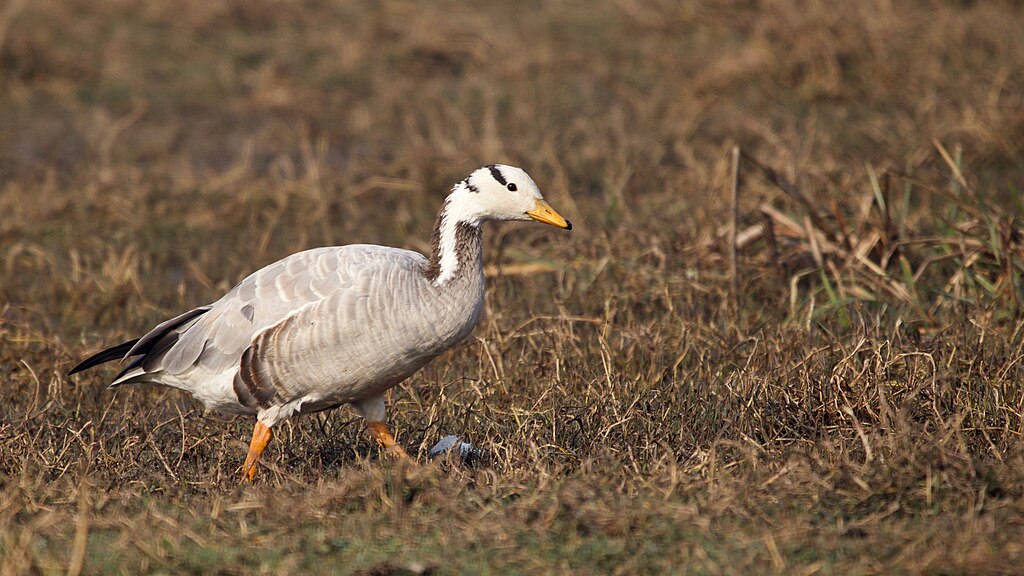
(821, 376)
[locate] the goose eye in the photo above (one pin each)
(511, 187)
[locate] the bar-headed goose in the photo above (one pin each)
(335, 325)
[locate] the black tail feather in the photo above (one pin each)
(116, 353)
(128, 368)
(156, 341)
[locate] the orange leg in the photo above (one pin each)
(380, 433)
(260, 438)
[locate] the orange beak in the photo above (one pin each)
(543, 212)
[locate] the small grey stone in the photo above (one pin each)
(467, 452)
(443, 446)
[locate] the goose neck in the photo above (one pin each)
(456, 249)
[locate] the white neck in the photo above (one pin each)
(447, 255)
(456, 241)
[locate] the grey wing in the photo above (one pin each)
(369, 334)
(216, 340)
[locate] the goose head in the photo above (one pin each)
(500, 192)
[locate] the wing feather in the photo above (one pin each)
(366, 333)
(274, 293)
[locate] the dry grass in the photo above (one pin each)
(848, 402)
